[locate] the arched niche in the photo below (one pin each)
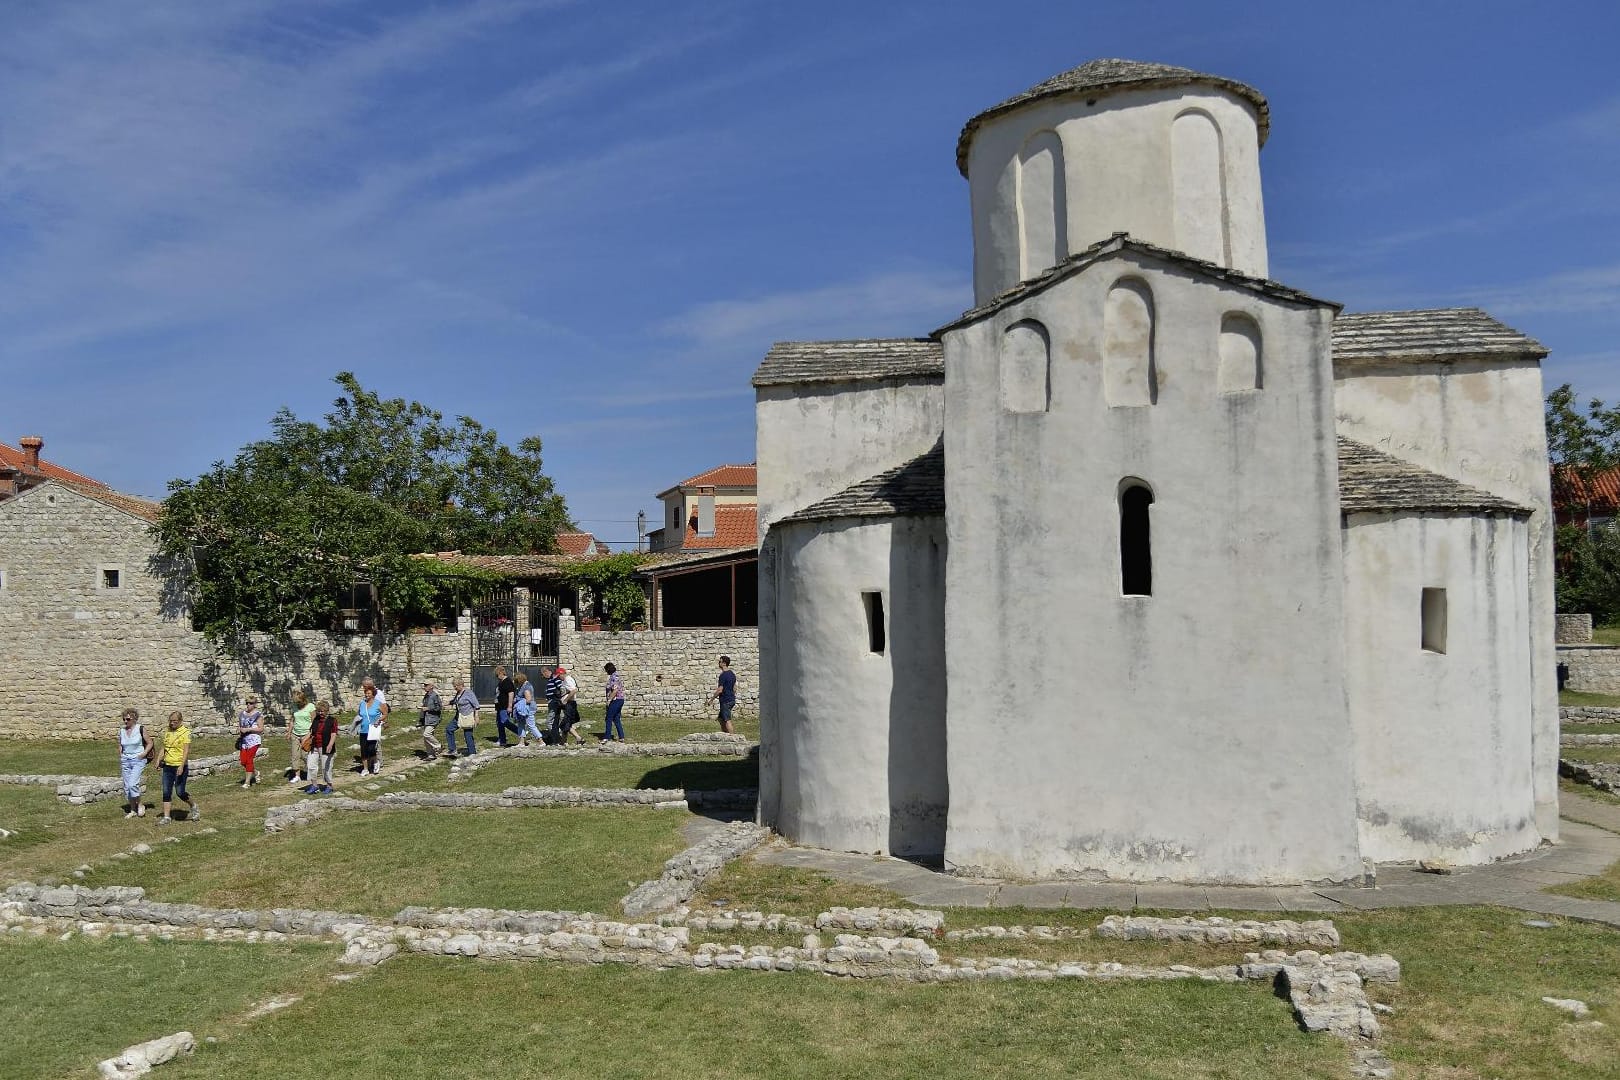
(1129, 375)
(1241, 365)
(1026, 367)
(1042, 205)
(1135, 537)
(1198, 187)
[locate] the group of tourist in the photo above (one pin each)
(312, 732)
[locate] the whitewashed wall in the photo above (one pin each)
(1441, 765)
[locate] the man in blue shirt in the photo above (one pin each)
(725, 691)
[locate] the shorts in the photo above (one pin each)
(246, 756)
(725, 711)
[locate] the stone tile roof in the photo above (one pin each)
(790, 362)
(145, 509)
(1371, 481)
(913, 489)
(1435, 333)
(1105, 76)
(1123, 242)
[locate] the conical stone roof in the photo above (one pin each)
(1105, 76)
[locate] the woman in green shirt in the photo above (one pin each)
(303, 717)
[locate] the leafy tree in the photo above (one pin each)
(611, 579)
(1583, 445)
(277, 536)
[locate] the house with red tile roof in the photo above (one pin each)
(711, 535)
(579, 543)
(712, 510)
(21, 468)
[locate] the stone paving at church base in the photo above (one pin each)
(1586, 846)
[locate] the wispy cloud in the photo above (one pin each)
(900, 303)
(1588, 290)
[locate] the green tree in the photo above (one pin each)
(275, 537)
(611, 578)
(1584, 444)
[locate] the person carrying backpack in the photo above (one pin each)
(135, 752)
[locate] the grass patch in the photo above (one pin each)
(1610, 754)
(376, 864)
(1591, 700)
(750, 885)
(647, 729)
(1604, 886)
(1590, 729)
(1586, 791)
(1606, 635)
(87, 757)
(1469, 1001)
(697, 774)
(69, 1004)
(681, 1023)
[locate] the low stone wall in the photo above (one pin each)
(1594, 669)
(685, 872)
(1319, 933)
(1601, 775)
(162, 667)
(1588, 714)
(704, 744)
(80, 790)
(1572, 629)
(1572, 739)
(306, 811)
(665, 672)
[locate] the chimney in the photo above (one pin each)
(33, 444)
(705, 511)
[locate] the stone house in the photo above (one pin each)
(92, 622)
(21, 468)
(1149, 567)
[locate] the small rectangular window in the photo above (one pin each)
(877, 637)
(1434, 620)
(109, 577)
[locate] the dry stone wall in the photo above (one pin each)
(77, 650)
(666, 672)
(1592, 668)
(1573, 629)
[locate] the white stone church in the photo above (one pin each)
(1149, 567)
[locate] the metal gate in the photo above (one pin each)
(512, 629)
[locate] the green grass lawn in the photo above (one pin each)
(70, 1004)
(84, 757)
(1582, 697)
(612, 1022)
(376, 864)
(1606, 635)
(697, 774)
(1590, 729)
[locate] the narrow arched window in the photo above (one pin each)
(1135, 539)
(1042, 211)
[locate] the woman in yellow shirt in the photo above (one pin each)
(176, 766)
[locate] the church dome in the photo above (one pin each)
(1105, 76)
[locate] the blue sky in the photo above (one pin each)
(588, 221)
